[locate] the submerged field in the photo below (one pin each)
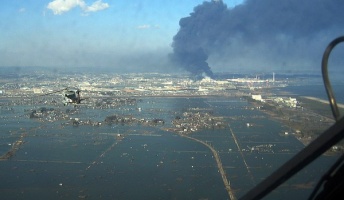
(58, 159)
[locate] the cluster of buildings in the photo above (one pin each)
(192, 121)
(152, 84)
(282, 101)
(136, 85)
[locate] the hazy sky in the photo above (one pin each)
(89, 33)
(133, 34)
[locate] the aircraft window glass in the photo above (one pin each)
(164, 99)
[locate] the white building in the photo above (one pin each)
(257, 97)
(37, 90)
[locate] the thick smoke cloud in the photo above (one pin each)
(257, 34)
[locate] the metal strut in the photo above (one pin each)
(316, 148)
(326, 79)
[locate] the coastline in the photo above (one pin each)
(306, 123)
(322, 101)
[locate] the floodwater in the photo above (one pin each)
(61, 161)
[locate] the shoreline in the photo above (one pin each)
(322, 101)
(307, 126)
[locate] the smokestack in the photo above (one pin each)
(273, 76)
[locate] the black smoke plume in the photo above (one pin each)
(189, 48)
(285, 33)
